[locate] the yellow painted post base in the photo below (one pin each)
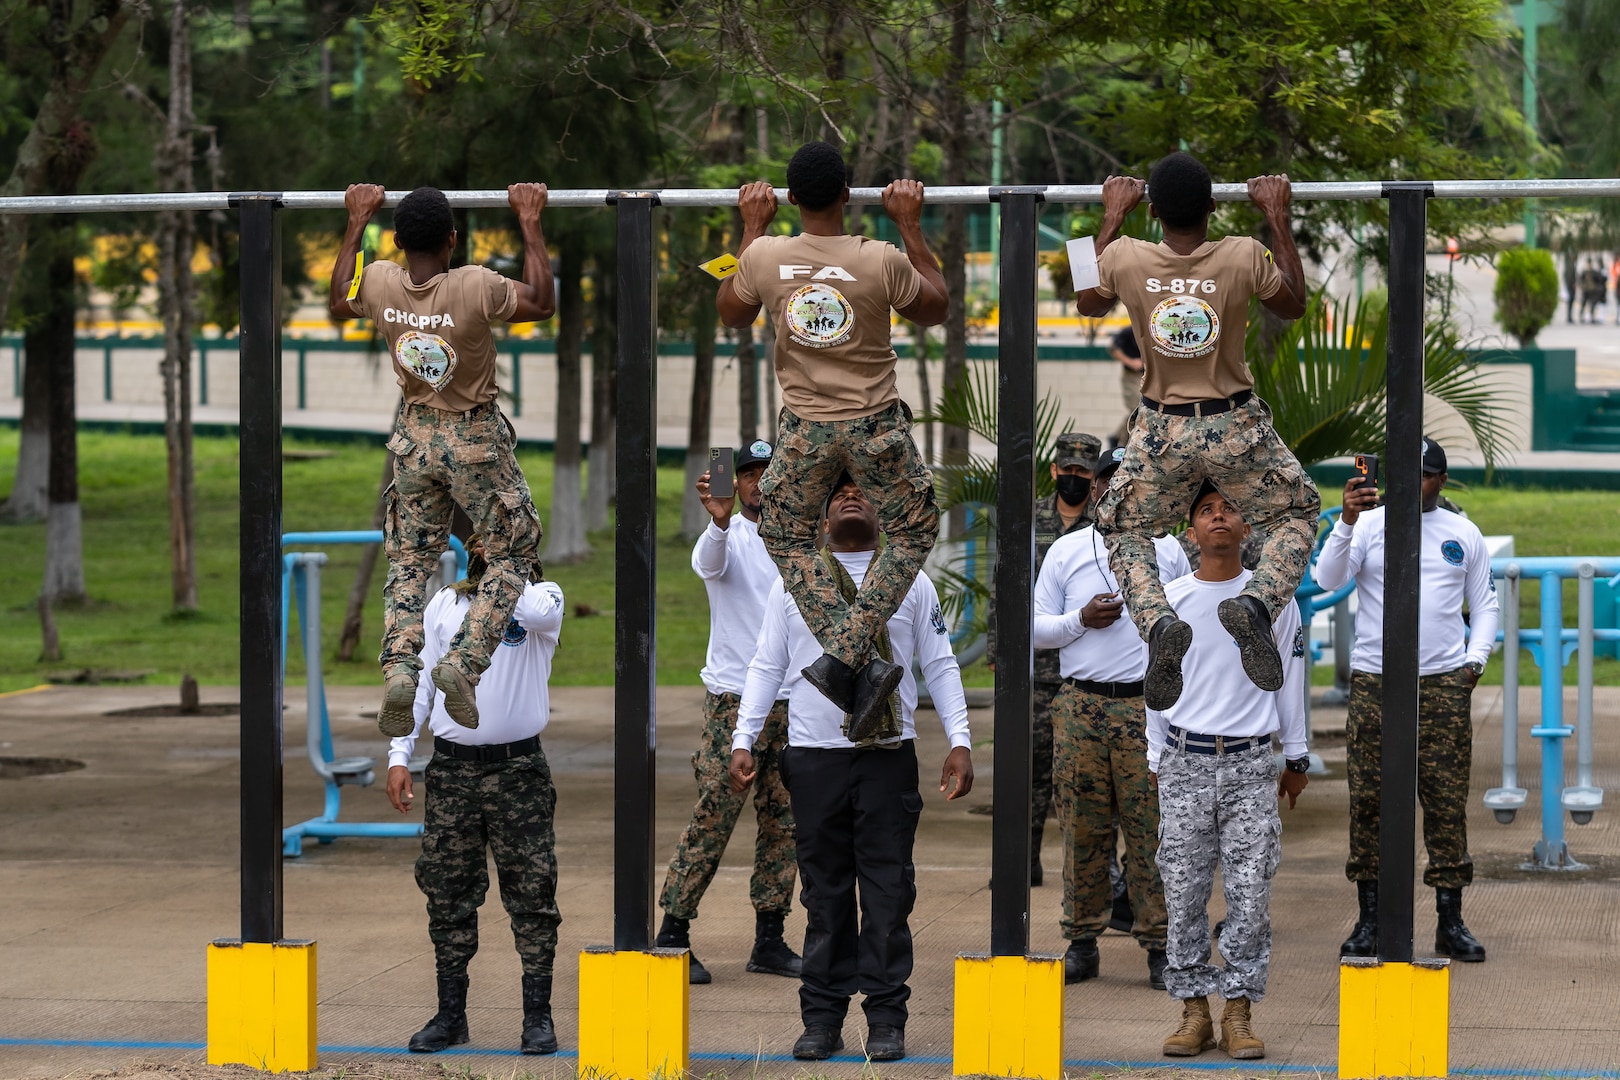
(1009, 1016)
(1394, 1019)
(633, 1014)
(261, 1005)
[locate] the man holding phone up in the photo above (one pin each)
(738, 574)
(1455, 567)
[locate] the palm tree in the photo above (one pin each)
(1325, 383)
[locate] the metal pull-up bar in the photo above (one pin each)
(1332, 191)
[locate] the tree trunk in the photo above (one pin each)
(176, 242)
(64, 543)
(354, 612)
(705, 321)
(28, 491)
(78, 53)
(566, 541)
(953, 253)
(919, 349)
(601, 481)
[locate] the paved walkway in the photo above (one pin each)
(115, 876)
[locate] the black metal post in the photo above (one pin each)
(1403, 532)
(1014, 576)
(260, 571)
(635, 725)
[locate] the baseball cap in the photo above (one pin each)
(1077, 448)
(1108, 463)
(1434, 456)
(757, 452)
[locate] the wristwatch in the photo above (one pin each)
(1476, 666)
(1299, 764)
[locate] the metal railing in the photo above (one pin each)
(634, 714)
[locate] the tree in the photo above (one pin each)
(565, 528)
(1526, 292)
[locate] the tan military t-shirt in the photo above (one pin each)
(829, 299)
(438, 333)
(1190, 313)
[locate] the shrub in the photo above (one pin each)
(1526, 292)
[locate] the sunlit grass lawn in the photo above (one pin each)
(127, 625)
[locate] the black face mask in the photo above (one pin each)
(1074, 490)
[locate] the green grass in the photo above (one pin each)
(128, 625)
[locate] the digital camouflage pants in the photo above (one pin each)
(1101, 775)
(1218, 810)
(697, 855)
(508, 807)
(879, 453)
(445, 459)
(1445, 756)
(1168, 460)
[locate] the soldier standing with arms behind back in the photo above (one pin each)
(1066, 510)
(738, 575)
(1456, 566)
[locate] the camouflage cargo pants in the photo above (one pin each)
(1168, 460)
(1445, 756)
(508, 807)
(697, 855)
(1040, 792)
(1218, 809)
(1102, 777)
(445, 458)
(879, 453)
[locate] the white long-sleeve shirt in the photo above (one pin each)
(1455, 565)
(1217, 697)
(1075, 571)
(513, 700)
(738, 574)
(786, 647)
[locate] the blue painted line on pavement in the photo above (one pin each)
(774, 1059)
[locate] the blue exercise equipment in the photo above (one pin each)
(301, 581)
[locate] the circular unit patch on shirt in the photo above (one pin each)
(514, 635)
(819, 317)
(1452, 552)
(427, 356)
(1185, 327)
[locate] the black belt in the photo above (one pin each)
(1212, 407)
(488, 754)
(1196, 742)
(1108, 689)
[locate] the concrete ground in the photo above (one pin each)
(115, 876)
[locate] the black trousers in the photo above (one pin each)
(855, 819)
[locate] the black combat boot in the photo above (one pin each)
(1245, 617)
(1081, 961)
(449, 1025)
(873, 685)
(675, 934)
(771, 955)
(1363, 940)
(1168, 643)
(1451, 936)
(539, 1036)
(834, 678)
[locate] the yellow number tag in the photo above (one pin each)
(359, 265)
(720, 268)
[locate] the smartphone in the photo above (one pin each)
(1367, 466)
(722, 482)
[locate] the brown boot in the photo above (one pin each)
(1237, 1037)
(1196, 1033)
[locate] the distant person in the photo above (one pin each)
(489, 793)
(1101, 738)
(1123, 347)
(738, 576)
(1188, 298)
(830, 296)
(1594, 288)
(1066, 510)
(1455, 567)
(451, 443)
(855, 802)
(1218, 791)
